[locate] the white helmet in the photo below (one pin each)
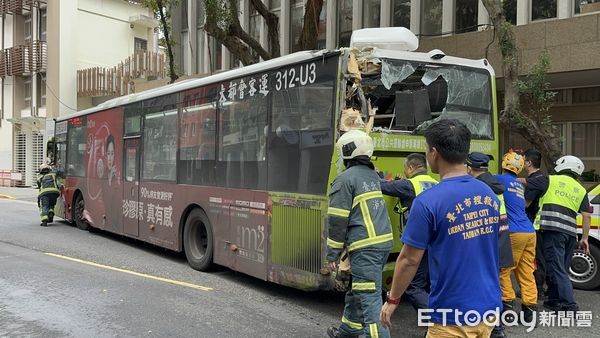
(569, 163)
(355, 143)
(44, 166)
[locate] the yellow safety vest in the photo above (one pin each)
(560, 204)
(422, 182)
(47, 183)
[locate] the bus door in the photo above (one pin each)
(131, 186)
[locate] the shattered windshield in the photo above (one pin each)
(409, 96)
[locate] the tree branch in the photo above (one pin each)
(272, 22)
(310, 29)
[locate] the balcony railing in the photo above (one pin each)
(24, 59)
(119, 80)
(17, 7)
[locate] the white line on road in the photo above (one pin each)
(166, 280)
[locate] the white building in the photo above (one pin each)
(44, 43)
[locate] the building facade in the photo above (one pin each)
(44, 43)
(568, 29)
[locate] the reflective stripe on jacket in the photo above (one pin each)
(357, 214)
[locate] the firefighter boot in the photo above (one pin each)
(44, 224)
(498, 332)
(50, 216)
(334, 332)
(507, 306)
(527, 314)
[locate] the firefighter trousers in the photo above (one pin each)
(47, 201)
(363, 301)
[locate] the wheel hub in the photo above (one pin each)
(583, 267)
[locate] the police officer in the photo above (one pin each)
(359, 223)
(561, 197)
(415, 169)
(48, 193)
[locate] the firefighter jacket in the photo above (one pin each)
(358, 218)
(47, 183)
(560, 204)
(422, 182)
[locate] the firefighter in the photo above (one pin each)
(561, 197)
(522, 238)
(359, 223)
(477, 166)
(415, 169)
(49, 192)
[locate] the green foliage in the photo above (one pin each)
(219, 10)
(534, 90)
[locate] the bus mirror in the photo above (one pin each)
(51, 150)
(412, 108)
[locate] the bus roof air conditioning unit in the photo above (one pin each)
(391, 38)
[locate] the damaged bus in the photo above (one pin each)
(233, 169)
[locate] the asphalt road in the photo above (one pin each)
(111, 289)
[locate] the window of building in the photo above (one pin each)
(42, 91)
(510, 10)
(43, 24)
(77, 144)
(344, 22)
(466, 15)
(242, 138)
(371, 13)
(543, 9)
(27, 29)
(401, 13)
(197, 150)
(431, 17)
(301, 135)
(586, 95)
(586, 139)
(586, 6)
(27, 92)
(215, 54)
(160, 139)
(140, 44)
(184, 14)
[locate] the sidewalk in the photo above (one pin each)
(23, 194)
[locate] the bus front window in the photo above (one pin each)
(411, 95)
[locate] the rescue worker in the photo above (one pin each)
(533, 162)
(359, 223)
(448, 221)
(478, 166)
(415, 169)
(522, 238)
(49, 192)
(561, 197)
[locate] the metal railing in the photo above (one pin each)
(118, 80)
(18, 7)
(24, 59)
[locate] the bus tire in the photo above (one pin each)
(198, 240)
(78, 208)
(584, 269)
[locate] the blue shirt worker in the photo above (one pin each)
(522, 238)
(457, 222)
(49, 192)
(359, 223)
(561, 197)
(415, 168)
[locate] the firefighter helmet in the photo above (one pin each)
(513, 161)
(44, 167)
(569, 162)
(355, 143)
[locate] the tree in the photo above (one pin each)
(161, 10)
(526, 103)
(223, 24)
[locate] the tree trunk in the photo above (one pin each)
(540, 135)
(165, 26)
(310, 29)
(272, 22)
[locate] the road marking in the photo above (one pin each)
(166, 280)
(17, 201)
(7, 196)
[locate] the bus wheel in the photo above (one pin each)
(584, 269)
(78, 208)
(198, 240)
